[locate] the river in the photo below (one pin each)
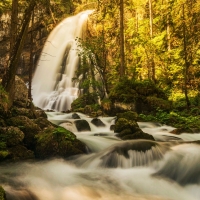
(112, 169)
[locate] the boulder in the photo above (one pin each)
(43, 122)
(28, 127)
(75, 116)
(127, 128)
(57, 142)
(97, 122)
(12, 136)
(82, 125)
(19, 152)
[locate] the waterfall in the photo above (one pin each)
(53, 88)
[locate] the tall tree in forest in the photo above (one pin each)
(14, 23)
(9, 77)
(122, 54)
(187, 64)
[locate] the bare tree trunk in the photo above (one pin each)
(14, 22)
(122, 55)
(31, 59)
(9, 77)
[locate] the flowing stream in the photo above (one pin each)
(165, 169)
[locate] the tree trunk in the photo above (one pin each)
(151, 60)
(14, 22)
(122, 56)
(31, 59)
(187, 64)
(9, 77)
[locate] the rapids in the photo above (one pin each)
(165, 169)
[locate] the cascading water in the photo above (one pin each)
(52, 82)
(165, 169)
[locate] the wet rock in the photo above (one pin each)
(82, 125)
(112, 127)
(97, 122)
(57, 142)
(127, 128)
(75, 116)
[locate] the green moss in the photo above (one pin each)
(60, 131)
(2, 194)
(57, 142)
(130, 115)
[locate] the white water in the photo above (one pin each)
(114, 169)
(52, 82)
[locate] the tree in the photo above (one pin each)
(9, 77)
(122, 55)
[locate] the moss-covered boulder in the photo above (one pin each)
(129, 115)
(20, 152)
(28, 127)
(2, 194)
(127, 128)
(12, 136)
(57, 142)
(16, 111)
(43, 122)
(82, 125)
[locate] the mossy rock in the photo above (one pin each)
(12, 136)
(138, 135)
(130, 115)
(2, 194)
(57, 142)
(22, 112)
(43, 122)
(40, 113)
(20, 152)
(82, 101)
(127, 128)
(123, 124)
(82, 125)
(28, 127)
